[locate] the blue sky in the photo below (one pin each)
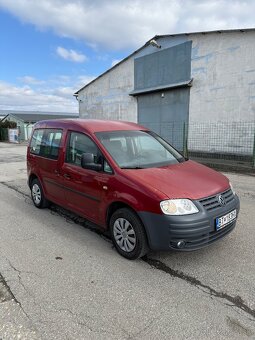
(51, 48)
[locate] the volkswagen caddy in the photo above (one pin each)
(127, 179)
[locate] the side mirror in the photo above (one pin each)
(87, 162)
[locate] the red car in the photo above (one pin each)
(124, 177)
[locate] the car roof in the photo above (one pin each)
(89, 125)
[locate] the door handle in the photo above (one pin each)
(67, 176)
(56, 172)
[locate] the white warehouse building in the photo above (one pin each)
(196, 89)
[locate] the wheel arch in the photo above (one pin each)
(34, 176)
(31, 178)
(143, 245)
(114, 206)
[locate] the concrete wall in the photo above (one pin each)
(108, 97)
(222, 98)
(223, 68)
(223, 91)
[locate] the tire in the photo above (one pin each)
(128, 234)
(37, 195)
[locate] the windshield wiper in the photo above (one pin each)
(131, 167)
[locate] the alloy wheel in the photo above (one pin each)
(36, 194)
(124, 235)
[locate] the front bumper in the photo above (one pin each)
(194, 231)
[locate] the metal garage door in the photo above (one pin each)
(166, 113)
(162, 81)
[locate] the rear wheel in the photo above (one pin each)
(37, 195)
(128, 234)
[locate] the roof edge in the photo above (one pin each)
(185, 83)
(120, 62)
(242, 30)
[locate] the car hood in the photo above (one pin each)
(183, 180)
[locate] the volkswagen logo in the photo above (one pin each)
(221, 200)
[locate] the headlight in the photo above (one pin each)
(178, 207)
(231, 187)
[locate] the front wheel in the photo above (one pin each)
(37, 195)
(128, 234)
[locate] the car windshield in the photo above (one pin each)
(138, 149)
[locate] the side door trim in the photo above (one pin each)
(73, 190)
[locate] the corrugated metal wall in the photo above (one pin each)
(166, 110)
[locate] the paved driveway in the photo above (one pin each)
(60, 279)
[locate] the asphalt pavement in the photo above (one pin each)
(61, 279)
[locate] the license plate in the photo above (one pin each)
(222, 221)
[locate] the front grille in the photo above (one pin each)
(210, 203)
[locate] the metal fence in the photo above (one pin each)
(219, 144)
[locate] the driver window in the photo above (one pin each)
(79, 144)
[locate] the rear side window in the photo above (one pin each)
(36, 142)
(46, 142)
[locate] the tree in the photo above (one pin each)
(8, 124)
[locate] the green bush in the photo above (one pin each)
(8, 124)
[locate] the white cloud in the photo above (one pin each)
(71, 55)
(55, 94)
(64, 92)
(128, 24)
(30, 80)
(25, 98)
